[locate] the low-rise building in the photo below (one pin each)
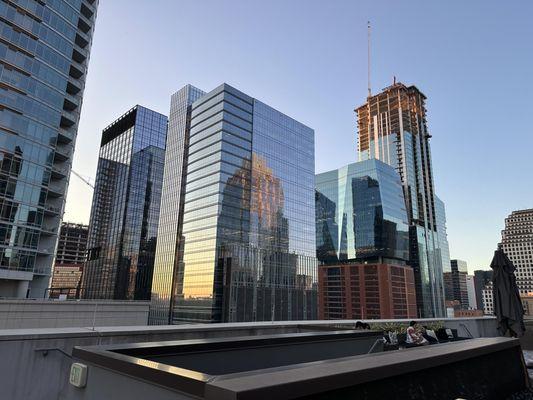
(366, 291)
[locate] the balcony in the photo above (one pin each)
(48, 230)
(73, 86)
(79, 54)
(65, 136)
(84, 24)
(76, 70)
(47, 251)
(62, 155)
(56, 191)
(51, 210)
(82, 39)
(68, 118)
(59, 173)
(88, 9)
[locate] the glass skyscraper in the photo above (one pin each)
(44, 52)
(392, 128)
(125, 211)
(361, 215)
(244, 247)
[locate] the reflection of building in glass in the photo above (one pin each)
(44, 54)
(363, 243)
(392, 128)
(70, 257)
(246, 248)
(360, 215)
(125, 211)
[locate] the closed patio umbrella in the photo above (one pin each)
(507, 304)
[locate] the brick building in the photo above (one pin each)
(366, 291)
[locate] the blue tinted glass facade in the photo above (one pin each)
(361, 215)
(125, 211)
(44, 52)
(247, 248)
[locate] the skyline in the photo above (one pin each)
(320, 77)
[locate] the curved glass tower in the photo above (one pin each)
(44, 52)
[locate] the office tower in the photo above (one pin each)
(244, 249)
(392, 128)
(481, 279)
(44, 52)
(70, 257)
(125, 210)
(444, 247)
(362, 236)
(167, 258)
(471, 289)
(517, 243)
(455, 284)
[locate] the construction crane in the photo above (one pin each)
(83, 179)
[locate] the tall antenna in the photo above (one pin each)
(368, 36)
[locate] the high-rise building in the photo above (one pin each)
(72, 244)
(362, 236)
(471, 289)
(243, 249)
(444, 247)
(44, 52)
(488, 299)
(456, 289)
(125, 210)
(392, 128)
(70, 257)
(482, 278)
(517, 243)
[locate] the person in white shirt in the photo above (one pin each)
(414, 337)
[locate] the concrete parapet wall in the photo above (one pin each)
(35, 363)
(28, 314)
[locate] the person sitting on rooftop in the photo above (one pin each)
(414, 337)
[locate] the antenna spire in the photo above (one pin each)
(368, 37)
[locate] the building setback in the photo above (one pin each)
(125, 210)
(392, 128)
(517, 243)
(44, 53)
(70, 257)
(362, 236)
(243, 248)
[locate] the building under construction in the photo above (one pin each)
(392, 128)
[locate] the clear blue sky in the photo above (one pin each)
(472, 59)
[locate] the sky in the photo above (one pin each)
(472, 59)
